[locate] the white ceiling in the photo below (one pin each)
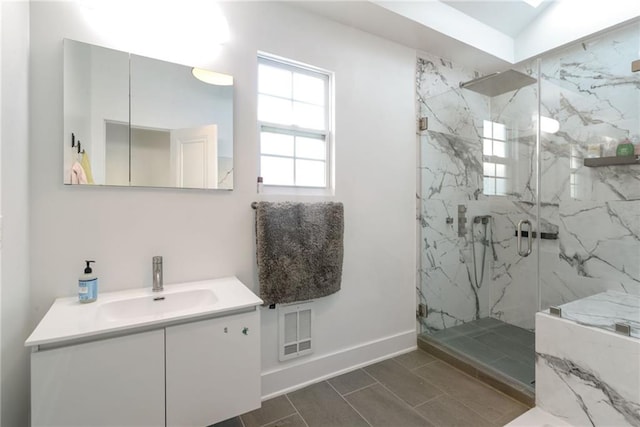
(508, 17)
(377, 20)
(487, 35)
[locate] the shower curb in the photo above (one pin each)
(479, 371)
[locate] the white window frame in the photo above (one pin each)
(324, 134)
(496, 160)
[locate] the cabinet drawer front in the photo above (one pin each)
(112, 382)
(212, 369)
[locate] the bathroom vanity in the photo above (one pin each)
(186, 356)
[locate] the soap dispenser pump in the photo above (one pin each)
(88, 285)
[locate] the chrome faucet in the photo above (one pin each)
(157, 274)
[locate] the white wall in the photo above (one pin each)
(117, 151)
(150, 157)
(15, 310)
(204, 234)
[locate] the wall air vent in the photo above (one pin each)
(295, 323)
(290, 349)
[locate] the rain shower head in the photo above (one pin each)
(499, 83)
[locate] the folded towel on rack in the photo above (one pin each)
(299, 250)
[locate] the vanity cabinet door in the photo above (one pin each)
(111, 382)
(213, 369)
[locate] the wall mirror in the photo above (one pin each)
(141, 122)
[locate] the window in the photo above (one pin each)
(495, 157)
(294, 124)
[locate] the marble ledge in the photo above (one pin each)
(586, 375)
(604, 310)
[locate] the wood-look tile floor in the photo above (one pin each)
(414, 389)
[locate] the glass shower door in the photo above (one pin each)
(515, 210)
(451, 174)
(478, 181)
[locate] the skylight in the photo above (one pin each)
(533, 3)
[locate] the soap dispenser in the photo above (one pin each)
(88, 285)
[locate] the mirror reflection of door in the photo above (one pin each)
(194, 157)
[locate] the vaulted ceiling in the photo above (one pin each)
(488, 35)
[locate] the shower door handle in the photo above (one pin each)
(529, 236)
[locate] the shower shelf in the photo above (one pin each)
(611, 161)
(543, 235)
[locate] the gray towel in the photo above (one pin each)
(299, 250)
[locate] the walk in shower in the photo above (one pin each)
(511, 220)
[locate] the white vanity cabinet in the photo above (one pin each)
(195, 374)
(112, 382)
(213, 369)
(186, 356)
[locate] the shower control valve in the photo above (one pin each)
(462, 220)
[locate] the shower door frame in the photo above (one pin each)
(424, 307)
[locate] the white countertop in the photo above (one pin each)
(68, 319)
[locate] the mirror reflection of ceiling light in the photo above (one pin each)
(211, 77)
(533, 3)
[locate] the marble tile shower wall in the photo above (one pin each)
(589, 89)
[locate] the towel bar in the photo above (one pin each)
(254, 205)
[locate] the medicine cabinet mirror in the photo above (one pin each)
(141, 122)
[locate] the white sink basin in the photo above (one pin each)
(131, 309)
(159, 304)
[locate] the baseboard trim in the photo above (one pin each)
(303, 373)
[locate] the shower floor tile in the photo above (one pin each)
(469, 329)
(488, 322)
(505, 348)
(508, 347)
(519, 335)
